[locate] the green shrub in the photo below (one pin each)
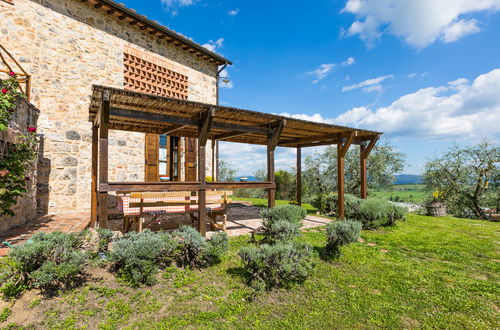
(45, 261)
(282, 222)
(137, 256)
(396, 213)
(194, 250)
(375, 212)
(217, 245)
(341, 233)
(351, 205)
(278, 265)
(105, 236)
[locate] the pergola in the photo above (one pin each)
(118, 109)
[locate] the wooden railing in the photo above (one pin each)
(23, 77)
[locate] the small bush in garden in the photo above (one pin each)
(351, 205)
(374, 212)
(282, 222)
(278, 265)
(105, 236)
(194, 250)
(396, 213)
(45, 261)
(137, 256)
(217, 245)
(341, 233)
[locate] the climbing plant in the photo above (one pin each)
(15, 165)
(9, 92)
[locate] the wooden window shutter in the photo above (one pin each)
(191, 171)
(152, 156)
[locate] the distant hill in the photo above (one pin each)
(408, 179)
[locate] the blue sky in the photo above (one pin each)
(425, 72)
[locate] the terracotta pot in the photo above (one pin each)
(436, 209)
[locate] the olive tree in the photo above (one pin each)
(468, 177)
(320, 173)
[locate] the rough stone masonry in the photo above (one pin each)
(68, 46)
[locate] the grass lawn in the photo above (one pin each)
(410, 193)
(425, 272)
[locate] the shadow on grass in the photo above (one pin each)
(326, 254)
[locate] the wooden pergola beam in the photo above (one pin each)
(364, 152)
(224, 136)
(206, 121)
(299, 176)
(103, 159)
(187, 121)
(273, 140)
(174, 128)
(342, 148)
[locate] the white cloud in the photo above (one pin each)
(418, 22)
(460, 110)
(322, 72)
(459, 29)
(173, 5)
(214, 45)
(412, 75)
(349, 61)
(370, 85)
(234, 12)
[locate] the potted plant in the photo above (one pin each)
(436, 207)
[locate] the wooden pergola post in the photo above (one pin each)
(299, 175)
(93, 198)
(103, 159)
(271, 146)
(342, 148)
(364, 151)
(206, 119)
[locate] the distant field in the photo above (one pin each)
(410, 193)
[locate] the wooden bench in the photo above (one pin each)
(137, 205)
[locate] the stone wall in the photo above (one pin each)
(68, 46)
(26, 115)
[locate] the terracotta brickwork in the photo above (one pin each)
(67, 46)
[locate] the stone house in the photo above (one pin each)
(69, 45)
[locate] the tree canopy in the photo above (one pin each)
(467, 177)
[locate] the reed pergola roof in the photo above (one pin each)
(138, 112)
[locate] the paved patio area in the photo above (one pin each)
(67, 222)
(243, 218)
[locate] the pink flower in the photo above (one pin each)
(32, 129)
(12, 74)
(4, 90)
(4, 173)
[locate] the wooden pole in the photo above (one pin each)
(340, 182)
(299, 176)
(206, 119)
(202, 194)
(362, 171)
(103, 160)
(342, 148)
(213, 160)
(93, 199)
(271, 192)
